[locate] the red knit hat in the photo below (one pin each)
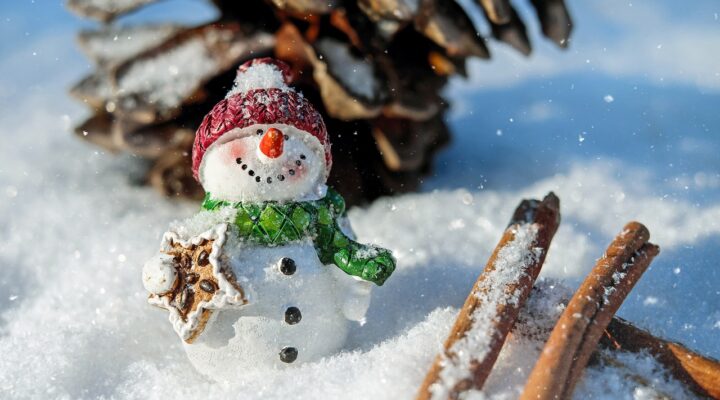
(260, 96)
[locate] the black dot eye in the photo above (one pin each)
(291, 172)
(286, 137)
(238, 160)
(244, 166)
(259, 131)
(302, 156)
(281, 177)
(298, 162)
(269, 179)
(257, 179)
(287, 266)
(251, 172)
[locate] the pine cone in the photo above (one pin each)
(374, 68)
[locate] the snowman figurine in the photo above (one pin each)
(268, 273)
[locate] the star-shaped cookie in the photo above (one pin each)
(202, 284)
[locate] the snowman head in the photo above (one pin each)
(263, 142)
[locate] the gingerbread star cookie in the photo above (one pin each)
(189, 279)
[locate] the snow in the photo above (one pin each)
(110, 6)
(112, 45)
(167, 80)
(96, 87)
(74, 322)
(633, 376)
(198, 223)
(260, 76)
(355, 74)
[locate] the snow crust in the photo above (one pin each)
(355, 73)
(111, 5)
(168, 79)
(258, 76)
(116, 44)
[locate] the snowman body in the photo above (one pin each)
(294, 313)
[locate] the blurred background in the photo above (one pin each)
(638, 82)
(623, 124)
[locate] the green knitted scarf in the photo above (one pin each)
(274, 223)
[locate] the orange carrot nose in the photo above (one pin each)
(271, 143)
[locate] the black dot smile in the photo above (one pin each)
(269, 180)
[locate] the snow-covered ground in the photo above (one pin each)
(622, 126)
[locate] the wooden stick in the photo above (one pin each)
(699, 373)
(579, 328)
(493, 305)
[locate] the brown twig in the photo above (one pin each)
(699, 373)
(505, 284)
(579, 328)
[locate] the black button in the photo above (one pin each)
(292, 315)
(288, 354)
(287, 266)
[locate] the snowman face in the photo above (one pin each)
(274, 162)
